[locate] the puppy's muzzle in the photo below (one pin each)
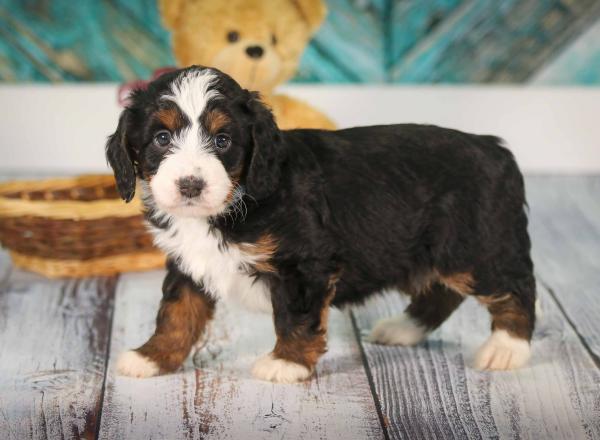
(190, 186)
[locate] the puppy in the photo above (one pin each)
(297, 221)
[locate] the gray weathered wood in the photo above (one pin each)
(53, 346)
(54, 336)
(5, 267)
(220, 399)
(429, 391)
(565, 231)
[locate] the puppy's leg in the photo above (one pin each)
(183, 315)
(513, 319)
(427, 310)
(300, 312)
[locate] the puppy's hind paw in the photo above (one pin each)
(273, 369)
(502, 352)
(399, 330)
(133, 364)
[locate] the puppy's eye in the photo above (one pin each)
(233, 36)
(273, 39)
(162, 139)
(222, 141)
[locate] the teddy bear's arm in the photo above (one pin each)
(293, 113)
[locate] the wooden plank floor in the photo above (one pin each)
(565, 229)
(54, 337)
(220, 399)
(59, 340)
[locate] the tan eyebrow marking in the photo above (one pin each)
(216, 120)
(171, 118)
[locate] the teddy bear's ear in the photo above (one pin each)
(170, 10)
(313, 12)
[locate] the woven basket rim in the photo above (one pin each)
(55, 183)
(65, 209)
(101, 266)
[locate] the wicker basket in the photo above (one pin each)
(74, 227)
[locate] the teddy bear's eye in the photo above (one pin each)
(273, 39)
(233, 36)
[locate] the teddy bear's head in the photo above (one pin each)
(257, 42)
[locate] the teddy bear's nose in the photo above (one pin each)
(254, 51)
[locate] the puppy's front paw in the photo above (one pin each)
(502, 352)
(399, 330)
(131, 363)
(273, 369)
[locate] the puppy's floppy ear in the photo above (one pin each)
(264, 169)
(119, 157)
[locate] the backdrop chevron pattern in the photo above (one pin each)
(400, 41)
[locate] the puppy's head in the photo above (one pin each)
(198, 140)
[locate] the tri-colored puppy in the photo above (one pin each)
(298, 221)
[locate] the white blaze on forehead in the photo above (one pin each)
(192, 154)
(192, 90)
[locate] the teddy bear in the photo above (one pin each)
(257, 42)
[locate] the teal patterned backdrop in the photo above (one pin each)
(400, 41)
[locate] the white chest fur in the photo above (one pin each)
(222, 270)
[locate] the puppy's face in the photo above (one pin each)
(194, 145)
(197, 139)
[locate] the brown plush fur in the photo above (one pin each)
(281, 28)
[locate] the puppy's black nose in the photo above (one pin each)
(190, 186)
(254, 51)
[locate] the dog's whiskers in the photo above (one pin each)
(238, 205)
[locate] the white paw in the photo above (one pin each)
(502, 352)
(399, 330)
(131, 363)
(270, 368)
